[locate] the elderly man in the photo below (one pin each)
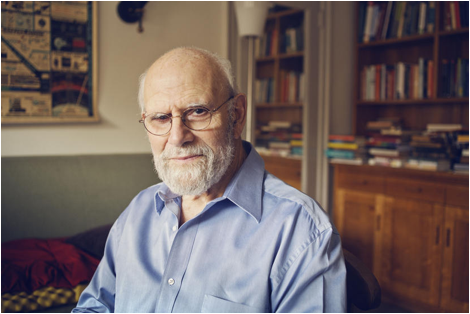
(220, 234)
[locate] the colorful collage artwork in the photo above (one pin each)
(47, 61)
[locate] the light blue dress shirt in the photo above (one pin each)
(261, 247)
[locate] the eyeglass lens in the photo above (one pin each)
(193, 118)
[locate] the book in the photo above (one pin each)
(422, 17)
(368, 23)
(361, 21)
(388, 14)
(430, 17)
(387, 152)
(344, 154)
(443, 127)
(430, 165)
(401, 21)
(345, 138)
(356, 161)
(347, 146)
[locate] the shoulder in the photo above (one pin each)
(293, 202)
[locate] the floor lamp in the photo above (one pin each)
(251, 17)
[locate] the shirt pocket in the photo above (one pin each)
(213, 304)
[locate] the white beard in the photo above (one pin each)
(200, 175)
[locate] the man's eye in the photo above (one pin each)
(197, 114)
(199, 111)
(160, 118)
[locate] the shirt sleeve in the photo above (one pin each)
(98, 297)
(315, 281)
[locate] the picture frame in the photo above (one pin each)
(49, 62)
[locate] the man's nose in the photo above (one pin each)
(179, 133)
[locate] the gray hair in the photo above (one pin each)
(224, 65)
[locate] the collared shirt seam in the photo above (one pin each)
(291, 260)
(245, 210)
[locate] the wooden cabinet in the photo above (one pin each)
(409, 259)
(455, 263)
(356, 210)
(411, 228)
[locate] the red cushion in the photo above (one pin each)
(30, 264)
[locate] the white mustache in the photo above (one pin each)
(176, 152)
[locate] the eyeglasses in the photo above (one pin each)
(194, 118)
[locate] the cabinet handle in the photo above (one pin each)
(448, 238)
(437, 234)
(378, 223)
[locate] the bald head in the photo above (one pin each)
(186, 64)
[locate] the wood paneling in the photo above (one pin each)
(415, 189)
(355, 223)
(410, 258)
(455, 263)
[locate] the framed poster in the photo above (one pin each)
(49, 62)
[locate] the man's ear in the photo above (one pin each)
(240, 115)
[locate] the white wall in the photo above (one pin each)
(342, 67)
(123, 55)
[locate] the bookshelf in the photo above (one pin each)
(409, 226)
(279, 95)
(436, 46)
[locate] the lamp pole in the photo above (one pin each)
(251, 17)
(250, 123)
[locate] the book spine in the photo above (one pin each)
(422, 17)
(361, 21)
(420, 78)
(368, 24)
(457, 15)
(345, 138)
(430, 84)
(388, 13)
(383, 82)
(402, 20)
(431, 17)
(452, 15)
(377, 82)
(447, 16)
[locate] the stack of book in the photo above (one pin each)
(395, 19)
(292, 40)
(280, 138)
(454, 78)
(461, 166)
(399, 81)
(455, 15)
(292, 86)
(264, 90)
(433, 149)
(387, 144)
(346, 149)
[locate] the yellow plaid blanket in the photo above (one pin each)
(40, 299)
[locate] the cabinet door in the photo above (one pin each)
(409, 258)
(355, 220)
(454, 289)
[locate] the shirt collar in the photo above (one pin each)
(244, 190)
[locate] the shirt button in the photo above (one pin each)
(171, 281)
(175, 228)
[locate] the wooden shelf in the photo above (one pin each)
(430, 176)
(396, 41)
(454, 32)
(405, 102)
